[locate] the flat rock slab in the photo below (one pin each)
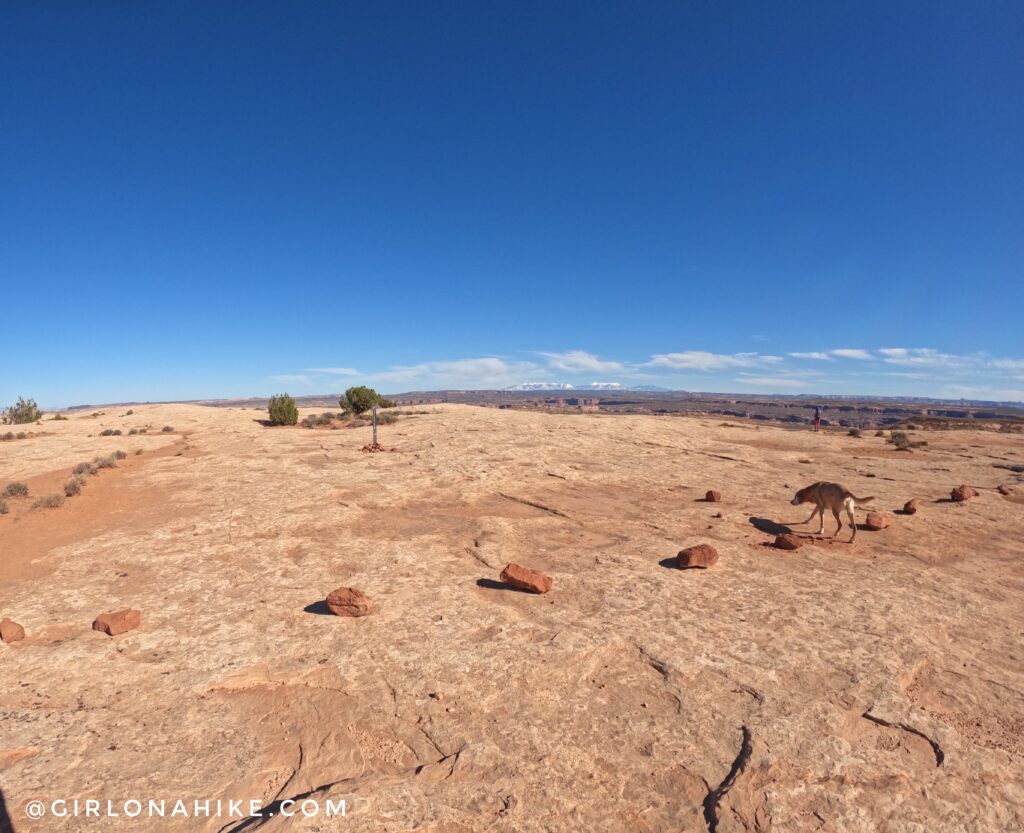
(118, 621)
(524, 578)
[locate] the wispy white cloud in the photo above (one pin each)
(923, 356)
(816, 355)
(335, 371)
(580, 361)
(701, 360)
(852, 353)
(484, 372)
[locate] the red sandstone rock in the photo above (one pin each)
(877, 520)
(713, 497)
(963, 493)
(526, 579)
(118, 621)
(1004, 489)
(702, 555)
(347, 601)
(11, 631)
(788, 541)
(910, 507)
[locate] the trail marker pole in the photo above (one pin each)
(375, 425)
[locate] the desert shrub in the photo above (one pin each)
(167, 429)
(110, 432)
(20, 435)
(15, 489)
(3, 507)
(59, 418)
(359, 400)
(282, 410)
(138, 450)
(48, 502)
(73, 486)
(854, 432)
(879, 433)
(900, 440)
(129, 413)
(387, 403)
(132, 432)
(24, 411)
(8, 436)
(120, 455)
(386, 419)
(83, 468)
(107, 462)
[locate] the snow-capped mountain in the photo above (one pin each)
(542, 386)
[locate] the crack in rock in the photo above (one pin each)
(715, 796)
(940, 756)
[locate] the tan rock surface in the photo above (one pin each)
(878, 687)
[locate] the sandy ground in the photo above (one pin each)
(872, 687)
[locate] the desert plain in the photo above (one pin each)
(873, 686)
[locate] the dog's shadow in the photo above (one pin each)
(768, 526)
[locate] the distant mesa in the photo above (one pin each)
(605, 386)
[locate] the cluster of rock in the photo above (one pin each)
(111, 623)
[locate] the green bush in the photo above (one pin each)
(388, 403)
(359, 400)
(15, 490)
(900, 440)
(282, 410)
(24, 411)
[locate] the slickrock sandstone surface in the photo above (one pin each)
(853, 688)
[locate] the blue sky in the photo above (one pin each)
(214, 200)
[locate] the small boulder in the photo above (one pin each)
(701, 555)
(11, 631)
(713, 497)
(526, 579)
(963, 493)
(876, 520)
(118, 621)
(347, 601)
(788, 541)
(910, 507)
(1003, 489)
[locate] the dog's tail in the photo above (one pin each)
(857, 501)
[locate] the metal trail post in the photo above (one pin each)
(375, 425)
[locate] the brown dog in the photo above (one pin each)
(831, 496)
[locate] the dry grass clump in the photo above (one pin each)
(74, 486)
(107, 462)
(49, 502)
(854, 432)
(16, 489)
(110, 432)
(3, 507)
(8, 436)
(167, 429)
(83, 468)
(120, 455)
